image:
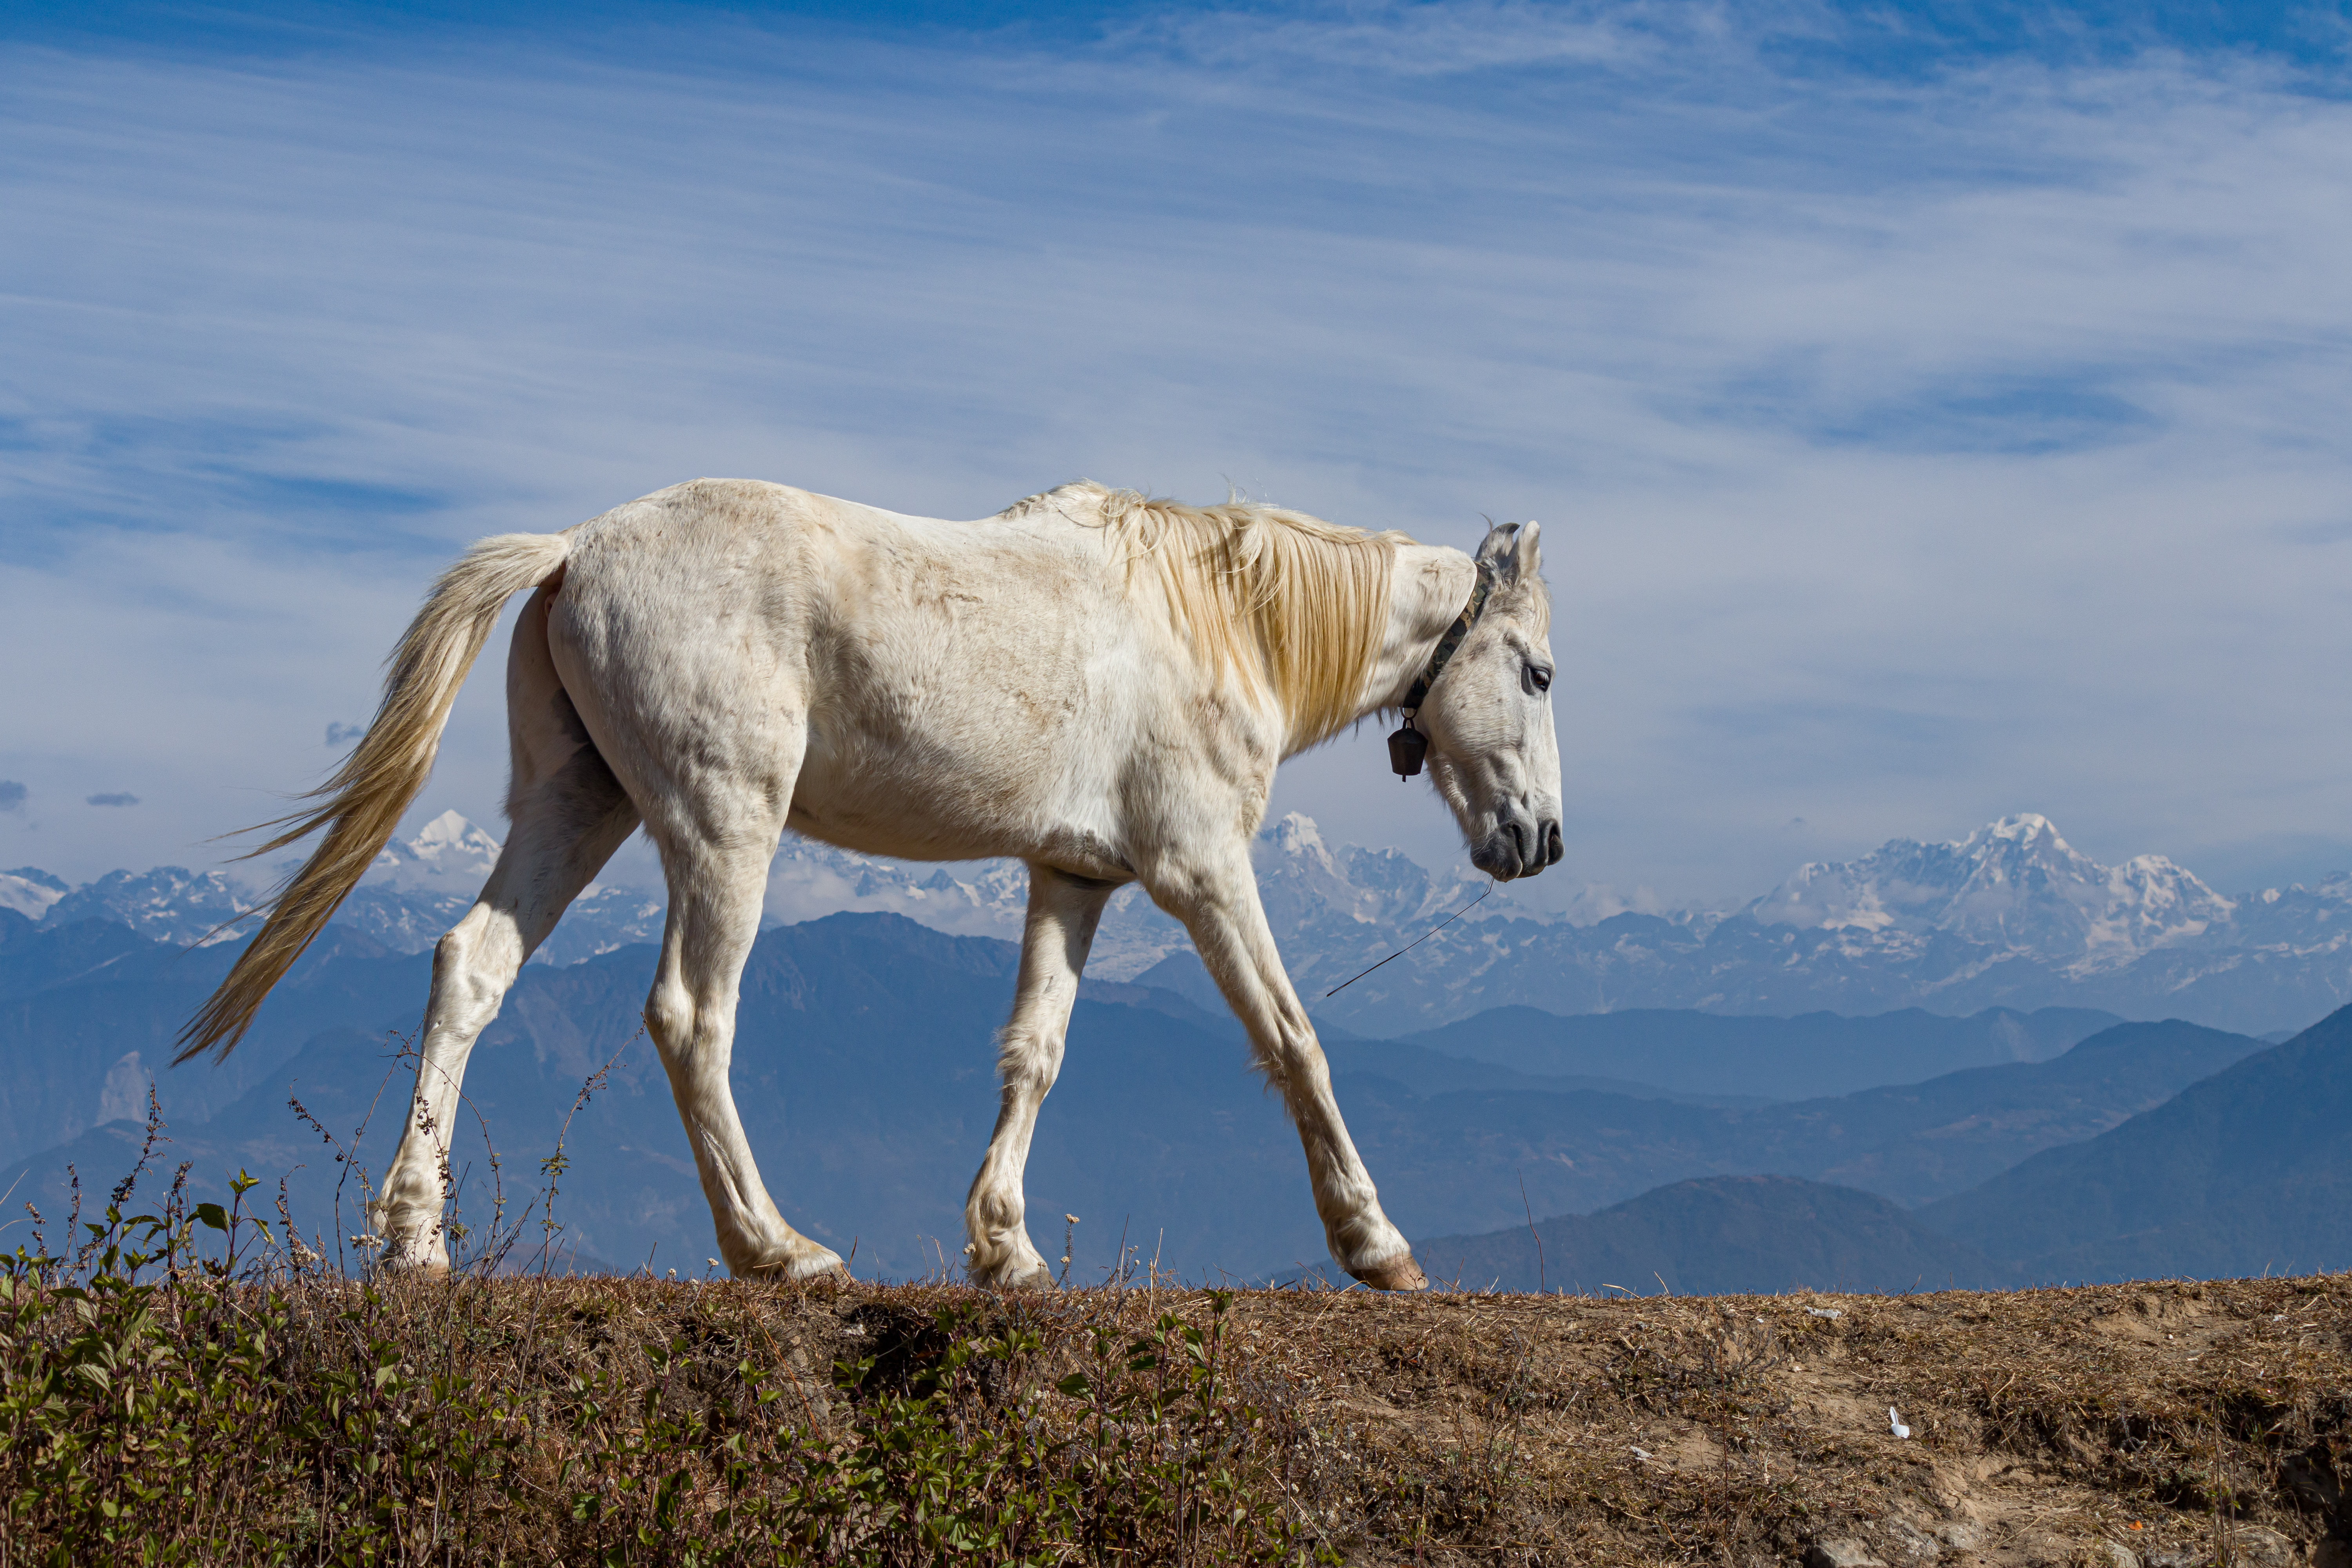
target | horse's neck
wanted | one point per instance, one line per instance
(1426, 592)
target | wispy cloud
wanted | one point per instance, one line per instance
(1911, 448)
(113, 797)
(1429, 40)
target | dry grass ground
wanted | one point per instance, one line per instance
(2177, 1423)
(576, 1421)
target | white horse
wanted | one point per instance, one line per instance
(1099, 684)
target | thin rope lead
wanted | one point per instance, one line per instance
(1416, 942)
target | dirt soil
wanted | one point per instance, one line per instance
(2158, 1425)
(2155, 1426)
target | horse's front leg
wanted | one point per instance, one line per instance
(1063, 913)
(1218, 905)
(716, 879)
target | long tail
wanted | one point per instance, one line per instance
(368, 794)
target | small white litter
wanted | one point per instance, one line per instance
(1641, 1453)
(1823, 1312)
(1895, 1424)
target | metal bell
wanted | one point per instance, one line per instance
(1407, 747)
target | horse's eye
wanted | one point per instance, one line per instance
(1539, 677)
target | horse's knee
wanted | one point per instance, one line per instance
(669, 1019)
(1294, 1064)
(472, 967)
(1028, 1060)
(453, 955)
(692, 1037)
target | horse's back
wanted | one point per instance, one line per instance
(945, 689)
(709, 533)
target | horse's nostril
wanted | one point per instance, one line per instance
(1556, 850)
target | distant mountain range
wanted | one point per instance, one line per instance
(1803, 1058)
(416, 889)
(2246, 1170)
(1720, 1235)
(2009, 917)
(864, 1073)
(1916, 1066)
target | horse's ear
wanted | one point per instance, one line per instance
(1527, 560)
(1495, 550)
(1510, 552)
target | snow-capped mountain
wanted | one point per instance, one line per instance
(29, 892)
(2015, 885)
(449, 855)
(1304, 883)
(2011, 915)
(170, 903)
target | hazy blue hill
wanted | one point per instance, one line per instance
(1801, 1057)
(1427, 1072)
(90, 1011)
(1912, 1142)
(2250, 1170)
(35, 958)
(1452, 1161)
(1720, 1235)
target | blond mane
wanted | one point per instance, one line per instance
(1291, 602)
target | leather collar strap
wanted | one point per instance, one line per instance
(1452, 641)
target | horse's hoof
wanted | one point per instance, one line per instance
(1037, 1276)
(797, 1268)
(1399, 1273)
(415, 1256)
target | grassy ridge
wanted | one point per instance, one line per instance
(182, 1388)
(166, 1406)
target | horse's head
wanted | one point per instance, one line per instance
(1492, 754)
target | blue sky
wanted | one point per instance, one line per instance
(1935, 412)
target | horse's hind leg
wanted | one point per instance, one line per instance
(1063, 912)
(569, 815)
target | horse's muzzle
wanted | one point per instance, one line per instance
(1518, 848)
